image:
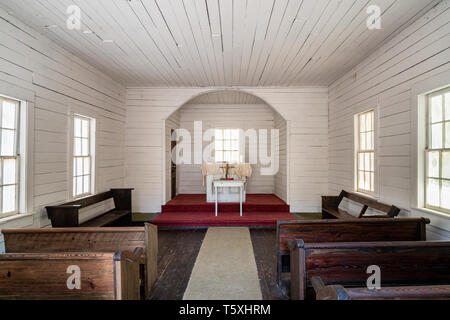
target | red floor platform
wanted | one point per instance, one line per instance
(186, 210)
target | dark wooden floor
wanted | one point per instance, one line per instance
(178, 250)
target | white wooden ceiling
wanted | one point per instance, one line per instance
(219, 42)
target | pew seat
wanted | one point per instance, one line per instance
(45, 276)
(338, 292)
(410, 263)
(356, 230)
(62, 240)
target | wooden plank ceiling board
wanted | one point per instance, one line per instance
(199, 43)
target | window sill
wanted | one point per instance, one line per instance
(14, 220)
(433, 212)
(367, 195)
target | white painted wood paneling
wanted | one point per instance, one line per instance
(384, 80)
(192, 43)
(56, 84)
(304, 108)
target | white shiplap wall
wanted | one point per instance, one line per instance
(237, 116)
(172, 123)
(55, 84)
(304, 108)
(384, 80)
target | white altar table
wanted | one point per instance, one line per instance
(229, 184)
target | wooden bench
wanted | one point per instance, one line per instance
(357, 230)
(103, 275)
(67, 214)
(338, 292)
(402, 264)
(60, 240)
(330, 207)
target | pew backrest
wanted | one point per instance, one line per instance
(401, 263)
(103, 275)
(67, 214)
(52, 240)
(361, 230)
(338, 292)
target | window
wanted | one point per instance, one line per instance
(9, 156)
(227, 145)
(437, 159)
(83, 156)
(365, 152)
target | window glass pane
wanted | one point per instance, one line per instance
(9, 199)
(75, 186)
(226, 156)
(370, 141)
(433, 192)
(219, 144)
(79, 184)
(445, 198)
(9, 171)
(362, 123)
(227, 145)
(219, 135)
(369, 121)
(362, 140)
(8, 143)
(86, 184)
(85, 128)
(77, 126)
(77, 147)
(9, 115)
(361, 161)
(446, 167)
(227, 134)
(372, 162)
(367, 161)
(87, 166)
(372, 181)
(235, 145)
(79, 171)
(367, 181)
(219, 156)
(447, 135)
(447, 106)
(436, 109)
(235, 156)
(433, 164)
(436, 136)
(85, 147)
(235, 134)
(361, 180)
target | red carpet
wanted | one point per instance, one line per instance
(193, 210)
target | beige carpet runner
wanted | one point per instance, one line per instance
(225, 268)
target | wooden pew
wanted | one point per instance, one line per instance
(104, 275)
(409, 263)
(357, 230)
(338, 292)
(61, 240)
(330, 207)
(67, 214)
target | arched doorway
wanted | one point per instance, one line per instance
(227, 109)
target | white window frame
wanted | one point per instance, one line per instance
(224, 150)
(429, 149)
(21, 156)
(91, 155)
(358, 151)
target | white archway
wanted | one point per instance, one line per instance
(208, 91)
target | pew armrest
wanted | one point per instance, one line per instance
(151, 259)
(324, 292)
